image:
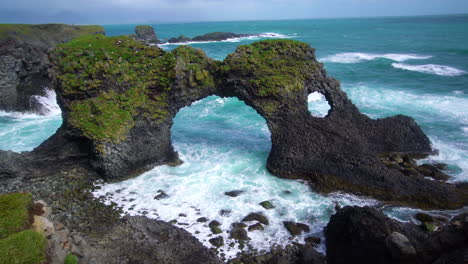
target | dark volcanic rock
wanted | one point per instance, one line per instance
(365, 235)
(146, 34)
(24, 64)
(239, 233)
(291, 254)
(267, 205)
(218, 36)
(142, 240)
(256, 217)
(180, 39)
(255, 227)
(142, 95)
(217, 242)
(234, 193)
(296, 229)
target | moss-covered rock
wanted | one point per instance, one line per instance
(146, 33)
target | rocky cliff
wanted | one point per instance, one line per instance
(146, 34)
(119, 96)
(24, 64)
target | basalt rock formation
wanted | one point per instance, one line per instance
(365, 235)
(24, 64)
(119, 96)
(146, 34)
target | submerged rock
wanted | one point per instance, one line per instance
(234, 193)
(256, 227)
(217, 241)
(267, 205)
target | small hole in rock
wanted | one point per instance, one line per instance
(318, 104)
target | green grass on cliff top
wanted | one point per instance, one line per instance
(14, 213)
(39, 30)
(25, 247)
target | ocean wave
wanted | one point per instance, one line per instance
(256, 37)
(355, 57)
(47, 106)
(441, 70)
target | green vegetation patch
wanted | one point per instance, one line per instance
(25, 247)
(71, 259)
(273, 67)
(196, 64)
(117, 79)
(14, 213)
(46, 32)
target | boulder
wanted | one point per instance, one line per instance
(256, 227)
(267, 205)
(365, 235)
(234, 193)
(296, 229)
(256, 217)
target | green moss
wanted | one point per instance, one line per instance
(71, 259)
(195, 63)
(125, 78)
(25, 247)
(14, 213)
(273, 67)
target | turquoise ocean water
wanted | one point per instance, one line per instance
(415, 66)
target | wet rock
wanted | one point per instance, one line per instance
(432, 171)
(255, 227)
(239, 233)
(313, 240)
(441, 166)
(296, 229)
(400, 247)
(217, 241)
(234, 193)
(161, 195)
(366, 235)
(224, 212)
(256, 217)
(202, 220)
(267, 205)
(428, 226)
(423, 217)
(214, 226)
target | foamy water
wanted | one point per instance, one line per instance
(355, 57)
(430, 69)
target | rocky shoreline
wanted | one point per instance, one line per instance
(345, 151)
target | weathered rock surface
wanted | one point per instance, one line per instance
(146, 34)
(119, 96)
(292, 254)
(24, 64)
(365, 235)
(142, 240)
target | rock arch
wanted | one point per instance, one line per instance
(119, 96)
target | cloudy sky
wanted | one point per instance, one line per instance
(146, 11)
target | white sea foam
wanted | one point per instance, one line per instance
(23, 131)
(355, 57)
(318, 104)
(430, 69)
(256, 37)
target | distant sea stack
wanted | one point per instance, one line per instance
(146, 34)
(24, 63)
(214, 36)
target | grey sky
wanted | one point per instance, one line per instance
(144, 11)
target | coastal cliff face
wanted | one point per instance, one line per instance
(118, 98)
(24, 64)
